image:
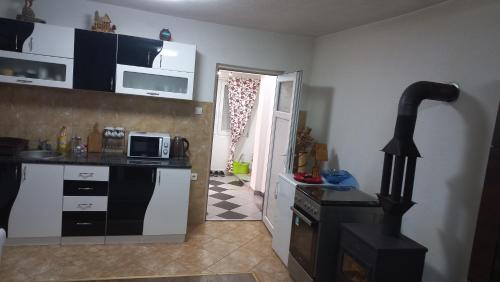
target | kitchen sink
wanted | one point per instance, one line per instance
(39, 154)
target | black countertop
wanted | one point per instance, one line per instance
(104, 159)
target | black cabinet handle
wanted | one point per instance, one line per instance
(84, 223)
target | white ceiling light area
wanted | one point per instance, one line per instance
(300, 17)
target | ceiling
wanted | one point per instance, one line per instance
(301, 17)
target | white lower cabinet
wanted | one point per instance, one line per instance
(283, 223)
(37, 211)
(168, 209)
(54, 205)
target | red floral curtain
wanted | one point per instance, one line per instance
(242, 93)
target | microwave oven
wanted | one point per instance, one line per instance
(148, 145)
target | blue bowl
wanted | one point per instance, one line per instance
(335, 176)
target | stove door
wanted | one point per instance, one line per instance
(304, 240)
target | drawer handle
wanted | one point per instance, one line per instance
(153, 94)
(85, 188)
(84, 223)
(85, 206)
(24, 81)
(86, 174)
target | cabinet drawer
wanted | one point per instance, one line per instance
(86, 173)
(83, 223)
(85, 203)
(85, 188)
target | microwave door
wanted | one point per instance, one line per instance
(146, 147)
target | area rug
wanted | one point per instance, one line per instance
(237, 277)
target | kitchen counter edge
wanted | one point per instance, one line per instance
(102, 159)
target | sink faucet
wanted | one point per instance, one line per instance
(44, 145)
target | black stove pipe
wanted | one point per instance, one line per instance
(403, 152)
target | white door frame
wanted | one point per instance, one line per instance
(234, 68)
(293, 116)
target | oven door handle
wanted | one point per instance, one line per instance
(303, 217)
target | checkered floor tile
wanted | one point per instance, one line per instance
(231, 199)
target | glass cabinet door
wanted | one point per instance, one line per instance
(154, 82)
(36, 70)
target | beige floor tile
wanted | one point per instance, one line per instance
(240, 260)
(219, 248)
(198, 259)
(273, 277)
(214, 247)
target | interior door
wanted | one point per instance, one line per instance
(283, 132)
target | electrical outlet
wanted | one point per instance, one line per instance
(198, 110)
(194, 176)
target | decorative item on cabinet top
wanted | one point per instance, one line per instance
(27, 14)
(165, 35)
(103, 24)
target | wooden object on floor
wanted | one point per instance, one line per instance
(94, 142)
(485, 258)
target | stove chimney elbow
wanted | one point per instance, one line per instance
(419, 91)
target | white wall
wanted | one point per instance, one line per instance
(263, 135)
(215, 43)
(369, 67)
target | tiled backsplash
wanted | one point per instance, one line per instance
(38, 113)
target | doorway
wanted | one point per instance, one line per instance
(248, 108)
(243, 100)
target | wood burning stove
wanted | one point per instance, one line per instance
(366, 254)
(317, 214)
(380, 253)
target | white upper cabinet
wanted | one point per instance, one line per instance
(50, 40)
(33, 69)
(178, 56)
(150, 67)
(154, 82)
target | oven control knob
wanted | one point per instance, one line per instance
(165, 152)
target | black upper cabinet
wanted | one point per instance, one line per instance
(137, 51)
(13, 34)
(95, 61)
(130, 190)
(10, 181)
